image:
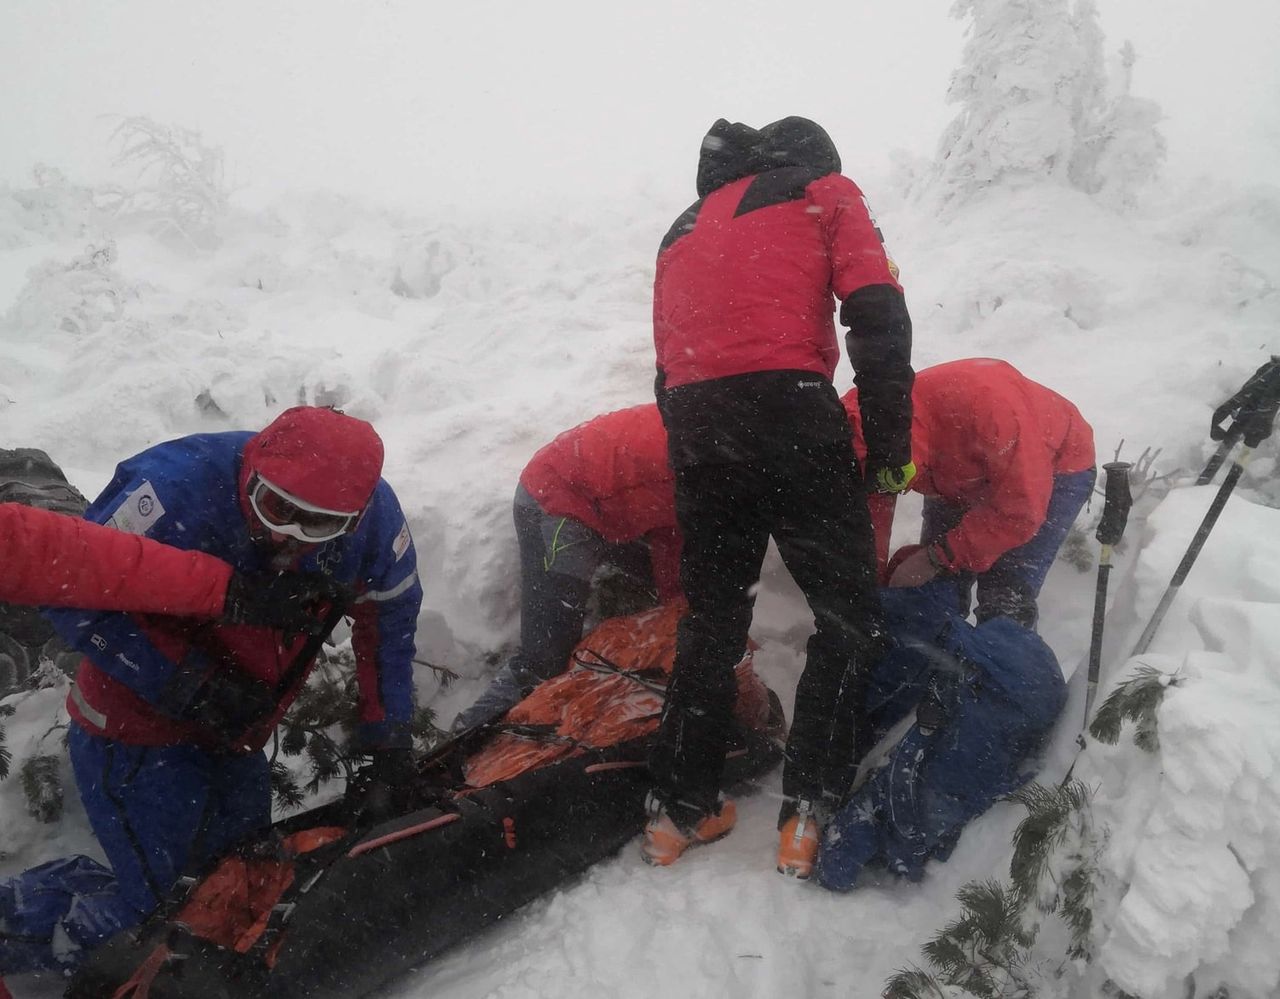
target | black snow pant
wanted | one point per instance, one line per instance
(558, 559)
(811, 499)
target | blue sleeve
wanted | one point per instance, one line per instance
(386, 618)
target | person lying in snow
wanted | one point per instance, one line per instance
(169, 715)
(603, 483)
(1005, 465)
(985, 699)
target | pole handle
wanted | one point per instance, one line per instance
(1252, 410)
(1117, 500)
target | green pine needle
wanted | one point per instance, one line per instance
(913, 983)
(1136, 699)
(285, 789)
(41, 778)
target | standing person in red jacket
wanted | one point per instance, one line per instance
(54, 560)
(1005, 465)
(604, 483)
(746, 349)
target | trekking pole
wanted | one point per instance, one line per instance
(1252, 411)
(1115, 515)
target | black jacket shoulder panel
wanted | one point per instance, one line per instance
(683, 225)
(777, 187)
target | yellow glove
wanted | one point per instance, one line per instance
(895, 480)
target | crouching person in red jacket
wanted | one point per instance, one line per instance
(169, 714)
(1005, 466)
(606, 483)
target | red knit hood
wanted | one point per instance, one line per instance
(324, 457)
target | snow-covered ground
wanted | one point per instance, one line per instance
(470, 341)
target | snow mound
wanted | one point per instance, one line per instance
(1191, 883)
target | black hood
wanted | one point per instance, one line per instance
(731, 151)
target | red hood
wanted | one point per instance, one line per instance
(319, 455)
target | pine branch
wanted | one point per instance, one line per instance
(444, 674)
(913, 984)
(1076, 551)
(283, 786)
(6, 757)
(1136, 699)
(42, 784)
(1042, 832)
(1078, 891)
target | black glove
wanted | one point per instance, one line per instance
(288, 601)
(231, 703)
(381, 789)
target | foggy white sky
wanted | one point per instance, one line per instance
(490, 101)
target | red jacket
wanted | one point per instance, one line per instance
(986, 438)
(54, 560)
(741, 291)
(612, 474)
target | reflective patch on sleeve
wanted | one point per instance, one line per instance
(395, 591)
(139, 511)
(402, 542)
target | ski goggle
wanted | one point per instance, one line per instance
(284, 514)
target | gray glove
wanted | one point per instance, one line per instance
(511, 685)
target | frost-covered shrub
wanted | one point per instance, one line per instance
(75, 297)
(179, 190)
(53, 209)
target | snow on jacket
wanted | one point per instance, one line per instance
(55, 560)
(990, 440)
(189, 493)
(612, 474)
(745, 276)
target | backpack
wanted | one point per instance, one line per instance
(30, 477)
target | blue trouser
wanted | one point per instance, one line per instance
(1010, 587)
(157, 812)
(985, 699)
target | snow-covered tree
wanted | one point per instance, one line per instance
(1036, 104)
(1124, 149)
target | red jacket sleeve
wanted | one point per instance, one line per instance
(53, 560)
(854, 243)
(1019, 484)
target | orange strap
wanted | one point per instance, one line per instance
(399, 834)
(139, 984)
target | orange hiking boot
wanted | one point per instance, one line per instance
(664, 841)
(798, 843)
